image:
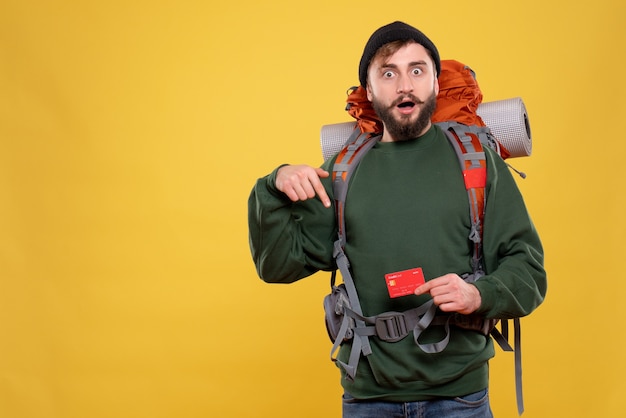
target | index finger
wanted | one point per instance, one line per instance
(424, 288)
(319, 187)
(429, 285)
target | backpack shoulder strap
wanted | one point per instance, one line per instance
(468, 143)
(469, 150)
(348, 158)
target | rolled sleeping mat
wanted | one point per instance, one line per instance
(507, 119)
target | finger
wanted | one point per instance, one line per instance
(299, 191)
(293, 193)
(430, 285)
(322, 173)
(302, 183)
(319, 187)
(310, 185)
(303, 190)
(420, 290)
(448, 306)
(425, 288)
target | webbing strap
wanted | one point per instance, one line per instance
(423, 323)
(360, 344)
(502, 340)
(342, 333)
(519, 395)
(395, 326)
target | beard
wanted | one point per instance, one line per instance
(403, 129)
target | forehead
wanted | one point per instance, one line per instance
(411, 52)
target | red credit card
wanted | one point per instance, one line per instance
(402, 283)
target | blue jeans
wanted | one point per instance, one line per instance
(475, 405)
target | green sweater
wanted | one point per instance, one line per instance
(407, 207)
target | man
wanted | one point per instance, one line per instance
(406, 208)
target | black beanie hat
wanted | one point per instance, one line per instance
(396, 31)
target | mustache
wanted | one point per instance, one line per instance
(401, 99)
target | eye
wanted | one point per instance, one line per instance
(388, 74)
(416, 71)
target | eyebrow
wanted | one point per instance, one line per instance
(411, 64)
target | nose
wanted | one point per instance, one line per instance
(404, 85)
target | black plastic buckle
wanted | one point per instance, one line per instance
(391, 326)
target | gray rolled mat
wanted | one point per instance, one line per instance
(507, 120)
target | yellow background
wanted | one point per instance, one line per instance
(131, 133)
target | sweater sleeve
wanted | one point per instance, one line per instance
(289, 240)
(515, 283)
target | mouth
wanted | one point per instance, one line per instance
(406, 106)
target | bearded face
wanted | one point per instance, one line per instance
(406, 126)
(402, 86)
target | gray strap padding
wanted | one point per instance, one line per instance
(474, 156)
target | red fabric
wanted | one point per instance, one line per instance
(476, 177)
(459, 95)
(360, 108)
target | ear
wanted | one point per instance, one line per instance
(368, 89)
(436, 86)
